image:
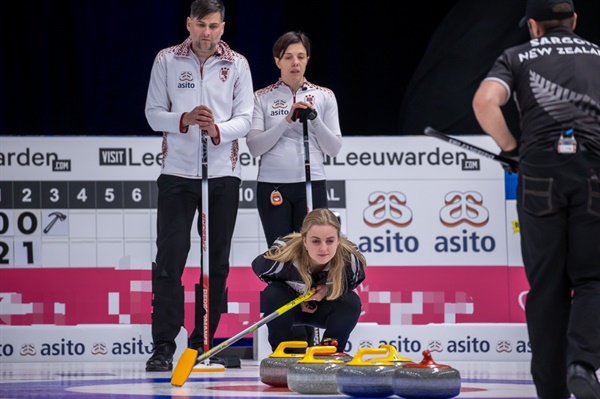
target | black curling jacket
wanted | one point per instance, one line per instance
(270, 270)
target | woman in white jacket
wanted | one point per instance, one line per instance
(277, 138)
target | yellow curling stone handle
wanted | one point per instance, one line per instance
(393, 355)
(280, 350)
(358, 360)
(321, 350)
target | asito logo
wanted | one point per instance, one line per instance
(464, 208)
(68, 347)
(186, 80)
(388, 208)
(278, 108)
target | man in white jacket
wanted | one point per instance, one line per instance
(198, 85)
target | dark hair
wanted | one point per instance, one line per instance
(282, 43)
(201, 8)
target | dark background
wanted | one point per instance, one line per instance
(81, 67)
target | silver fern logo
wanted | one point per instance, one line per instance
(562, 104)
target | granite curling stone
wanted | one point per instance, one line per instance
(273, 369)
(426, 379)
(362, 377)
(311, 375)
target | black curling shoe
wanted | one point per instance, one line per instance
(162, 358)
(582, 381)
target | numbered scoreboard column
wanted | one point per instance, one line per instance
(21, 218)
(82, 224)
(109, 223)
(54, 234)
(139, 224)
(77, 224)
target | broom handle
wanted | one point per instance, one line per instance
(204, 243)
(218, 348)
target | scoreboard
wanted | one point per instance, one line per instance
(64, 219)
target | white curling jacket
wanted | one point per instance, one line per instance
(280, 144)
(177, 85)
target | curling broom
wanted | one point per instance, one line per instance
(190, 356)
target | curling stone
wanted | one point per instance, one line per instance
(274, 369)
(393, 356)
(311, 375)
(426, 379)
(362, 377)
(337, 355)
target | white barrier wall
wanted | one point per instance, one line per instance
(85, 343)
(78, 227)
(446, 342)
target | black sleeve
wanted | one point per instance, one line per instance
(355, 272)
(269, 270)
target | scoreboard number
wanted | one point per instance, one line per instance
(27, 252)
(82, 195)
(20, 243)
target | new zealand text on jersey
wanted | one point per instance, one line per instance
(543, 51)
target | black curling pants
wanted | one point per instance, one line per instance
(178, 201)
(337, 317)
(558, 204)
(286, 218)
